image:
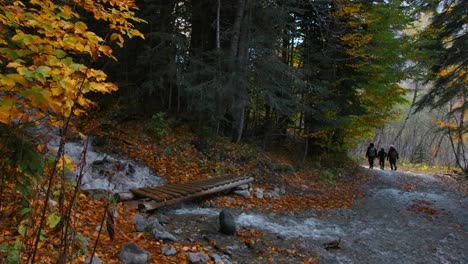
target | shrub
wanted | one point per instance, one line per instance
(159, 125)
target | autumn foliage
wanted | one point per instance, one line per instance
(47, 58)
(46, 55)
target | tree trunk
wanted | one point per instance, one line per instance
(239, 55)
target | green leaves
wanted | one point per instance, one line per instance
(53, 220)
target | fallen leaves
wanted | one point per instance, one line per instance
(422, 206)
(305, 191)
(177, 159)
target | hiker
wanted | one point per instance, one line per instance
(371, 153)
(382, 155)
(392, 156)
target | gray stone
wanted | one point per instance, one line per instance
(227, 223)
(243, 187)
(220, 259)
(243, 193)
(97, 193)
(178, 231)
(197, 257)
(131, 253)
(96, 260)
(282, 190)
(272, 195)
(164, 219)
(259, 193)
(203, 257)
(163, 235)
(216, 258)
(153, 223)
(193, 258)
(168, 250)
(140, 223)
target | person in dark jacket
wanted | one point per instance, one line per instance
(382, 155)
(371, 153)
(392, 156)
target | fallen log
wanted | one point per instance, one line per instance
(124, 196)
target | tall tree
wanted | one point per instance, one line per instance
(446, 38)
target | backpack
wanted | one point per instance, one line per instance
(372, 152)
(392, 154)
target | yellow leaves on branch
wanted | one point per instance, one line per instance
(39, 43)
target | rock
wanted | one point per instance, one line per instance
(97, 193)
(96, 260)
(243, 187)
(282, 190)
(164, 219)
(168, 250)
(140, 223)
(162, 235)
(159, 233)
(273, 194)
(220, 259)
(153, 223)
(205, 258)
(216, 258)
(197, 257)
(131, 253)
(243, 193)
(259, 193)
(227, 223)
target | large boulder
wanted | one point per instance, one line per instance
(227, 223)
(131, 253)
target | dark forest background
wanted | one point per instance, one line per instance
(327, 73)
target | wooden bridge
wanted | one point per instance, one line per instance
(170, 194)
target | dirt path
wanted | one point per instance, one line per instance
(405, 218)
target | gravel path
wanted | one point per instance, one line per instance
(427, 224)
(404, 218)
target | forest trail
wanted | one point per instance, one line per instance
(404, 218)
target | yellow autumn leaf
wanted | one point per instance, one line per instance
(67, 84)
(106, 50)
(83, 101)
(56, 91)
(80, 27)
(114, 36)
(40, 148)
(102, 87)
(79, 47)
(68, 11)
(6, 81)
(78, 112)
(14, 64)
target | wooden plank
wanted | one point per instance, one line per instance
(175, 193)
(124, 196)
(155, 192)
(168, 189)
(186, 189)
(151, 205)
(144, 193)
(164, 191)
